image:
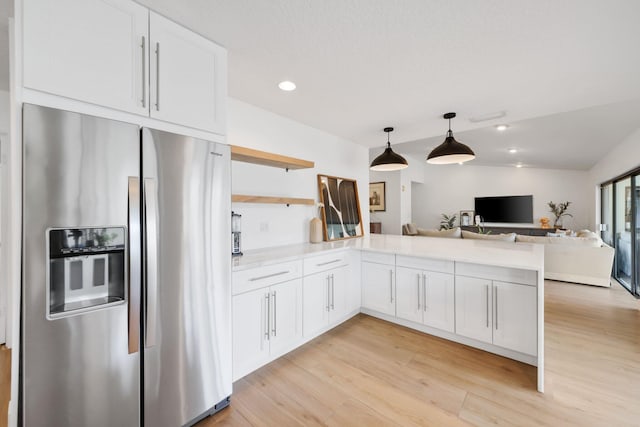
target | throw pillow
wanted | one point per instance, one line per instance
(510, 237)
(587, 233)
(412, 230)
(453, 233)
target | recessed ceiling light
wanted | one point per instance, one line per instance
(287, 86)
(519, 165)
(502, 128)
(513, 150)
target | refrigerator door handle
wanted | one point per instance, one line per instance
(135, 264)
(151, 264)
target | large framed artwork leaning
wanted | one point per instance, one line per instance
(341, 218)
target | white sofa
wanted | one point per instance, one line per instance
(586, 260)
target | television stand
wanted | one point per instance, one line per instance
(526, 231)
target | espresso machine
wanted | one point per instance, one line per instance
(235, 234)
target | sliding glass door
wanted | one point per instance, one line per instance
(606, 214)
(622, 209)
(620, 227)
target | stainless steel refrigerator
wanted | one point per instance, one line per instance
(126, 274)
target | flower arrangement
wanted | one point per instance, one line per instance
(559, 210)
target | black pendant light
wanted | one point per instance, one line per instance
(388, 160)
(450, 151)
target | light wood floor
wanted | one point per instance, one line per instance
(368, 372)
(5, 383)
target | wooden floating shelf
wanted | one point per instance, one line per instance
(242, 198)
(249, 155)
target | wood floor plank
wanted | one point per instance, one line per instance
(5, 383)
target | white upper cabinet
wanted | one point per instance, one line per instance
(188, 78)
(89, 50)
(118, 54)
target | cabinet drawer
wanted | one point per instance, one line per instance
(379, 258)
(256, 278)
(513, 275)
(428, 264)
(324, 262)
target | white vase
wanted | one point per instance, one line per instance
(315, 231)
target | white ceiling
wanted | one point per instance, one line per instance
(361, 65)
(572, 140)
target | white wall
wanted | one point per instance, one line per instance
(452, 188)
(398, 193)
(4, 112)
(623, 158)
(4, 141)
(390, 217)
(276, 225)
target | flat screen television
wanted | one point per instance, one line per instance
(509, 209)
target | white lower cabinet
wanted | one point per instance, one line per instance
(325, 301)
(378, 287)
(267, 323)
(425, 297)
(498, 313)
(515, 317)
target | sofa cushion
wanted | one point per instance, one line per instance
(587, 233)
(453, 233)
(509, 237)
(569, 241)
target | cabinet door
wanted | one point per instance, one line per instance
(188, 77)
(439, 310)
(315, 303)
(378, 287)
(339, 294)
(409, 294)
(250, 331)
(515, 317)
(286, 316)
(88, 50)
(473, 308)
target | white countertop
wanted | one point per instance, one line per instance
(528, 256)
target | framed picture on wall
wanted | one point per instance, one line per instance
(377, 197)
(466, 218)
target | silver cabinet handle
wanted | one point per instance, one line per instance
(157, 76)
(419, 283)
(391, 284)
(274, 329)
(495, 307)
(486, 288)
(280, 273)
(333, 293)
(267, 304)
(328, 300)
(424, 284)
(143, 47)
(151, 267)
(135, 264)
(328, 262)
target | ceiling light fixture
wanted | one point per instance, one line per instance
(287, 86)
(502, 128)
(450, 151)
(519, 165)
(513, 150)
(388, 160)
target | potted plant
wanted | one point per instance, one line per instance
(559, 210)
(448, 221)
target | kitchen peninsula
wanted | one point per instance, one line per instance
(485, 294)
